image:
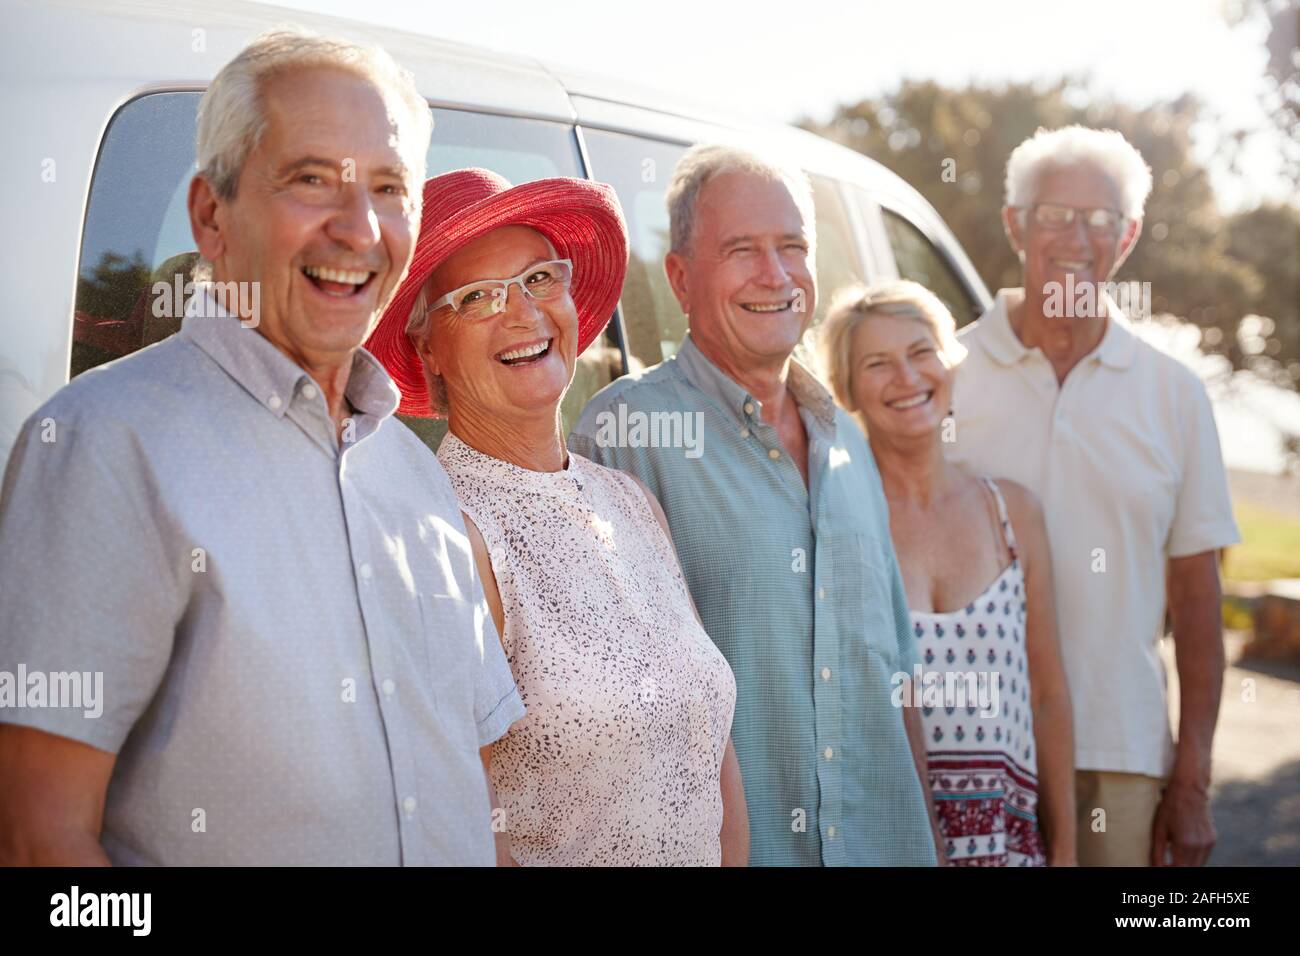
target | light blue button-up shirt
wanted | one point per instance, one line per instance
(799, 587)
(289, 629)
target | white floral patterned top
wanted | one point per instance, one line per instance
(619, 758)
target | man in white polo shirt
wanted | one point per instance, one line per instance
(1118, 441)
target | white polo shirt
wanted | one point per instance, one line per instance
(1125, 458)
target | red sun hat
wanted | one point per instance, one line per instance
(582, 220)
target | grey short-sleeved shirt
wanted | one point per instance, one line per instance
(296, 665)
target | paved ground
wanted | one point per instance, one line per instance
(1255, 784)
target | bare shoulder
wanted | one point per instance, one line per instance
(1023, 506)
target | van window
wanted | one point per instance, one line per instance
(640, 169)
(837, 259)
(920, 261)
(137, 228)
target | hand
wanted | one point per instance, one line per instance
(940, 848)
(1183, 830)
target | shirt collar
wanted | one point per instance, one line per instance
(268, 374)
(999, 339)
(700, 371)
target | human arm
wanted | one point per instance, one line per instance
(500, 833)
(52, 793)
(1049, 694)
(483, 562)
(88, 586)
(1184, 832)
(916, 741)
(735, 814)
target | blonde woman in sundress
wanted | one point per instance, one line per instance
(974, 557)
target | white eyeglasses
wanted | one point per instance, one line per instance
(487, 297)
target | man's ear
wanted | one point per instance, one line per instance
(1127, 242)
(204, 222)
(675, 269)
(1012, 225)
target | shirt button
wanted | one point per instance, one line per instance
(309, 392)
(366, 571)
(829, 752)
(744, 433)
(749, 408)
(273, 402)
(409, 804)
(826, 673)
(773, 454)
(388, 686)
(830, 832)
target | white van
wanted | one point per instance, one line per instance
(98, 110)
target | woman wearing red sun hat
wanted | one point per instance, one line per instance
(624, 756)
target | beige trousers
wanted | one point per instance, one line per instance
(1115, 814)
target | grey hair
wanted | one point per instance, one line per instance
(1106, 150)
(417, 330)
(231, 119)
(701, 163)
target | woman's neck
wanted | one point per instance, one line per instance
(531, 441)
(913, 471)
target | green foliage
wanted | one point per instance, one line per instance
(1204, 267)
(1268, 237)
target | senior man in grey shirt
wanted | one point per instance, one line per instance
(261, 579)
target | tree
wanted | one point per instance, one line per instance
(1282, 74)
(1269, 238)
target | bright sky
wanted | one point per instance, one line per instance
(783, 60)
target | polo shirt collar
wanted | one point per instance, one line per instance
(999, 339)
(700, 371)
(266, 373)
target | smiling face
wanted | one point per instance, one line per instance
(899, 382)
(516, 361)
(324, 214)
(1049, 255)
(746, 280)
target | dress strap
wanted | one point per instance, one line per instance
(1008, 533)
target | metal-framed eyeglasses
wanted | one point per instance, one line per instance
(487, 297)
(1099, 220)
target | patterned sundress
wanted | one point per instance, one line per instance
(983, 767)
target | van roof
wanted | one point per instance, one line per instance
(104, 42)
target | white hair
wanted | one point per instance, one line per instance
(701, 163)
(232, 120)
(417, 330)
(1106, 150)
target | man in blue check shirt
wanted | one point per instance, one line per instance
(777, 513)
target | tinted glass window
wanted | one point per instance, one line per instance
(137, 227)
(837, 257)
(920, 261)
(639, 170)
